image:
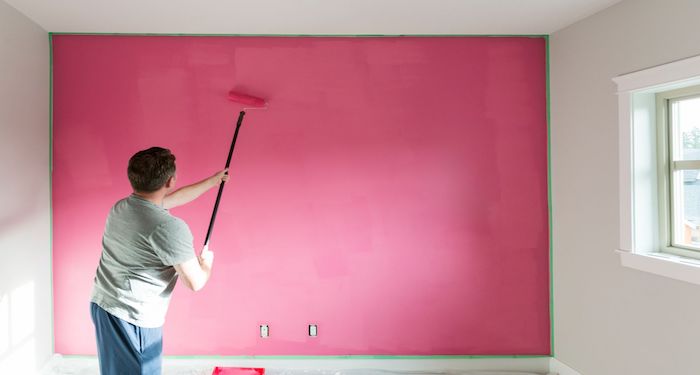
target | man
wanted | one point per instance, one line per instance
(144, 250)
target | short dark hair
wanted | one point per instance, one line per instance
(150, 169)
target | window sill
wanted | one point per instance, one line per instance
(667, 265)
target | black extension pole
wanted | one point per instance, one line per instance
(221, 186)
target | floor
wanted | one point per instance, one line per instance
(89, 366)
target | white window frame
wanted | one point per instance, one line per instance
(643, 244)
(667, 166)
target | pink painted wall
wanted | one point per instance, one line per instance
(395, 192)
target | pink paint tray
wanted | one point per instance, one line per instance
(238, 371)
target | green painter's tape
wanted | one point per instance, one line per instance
(53, 336)
(549, 189)
(549, 202)
(333, 357)
(315, 35)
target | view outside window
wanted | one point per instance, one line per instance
(685, 135)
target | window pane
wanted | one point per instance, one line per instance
(686, 208)
(686, 122)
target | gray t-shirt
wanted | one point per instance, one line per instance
(140, 245)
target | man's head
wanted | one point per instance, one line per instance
(151, 169)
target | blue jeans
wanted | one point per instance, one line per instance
(126, 349)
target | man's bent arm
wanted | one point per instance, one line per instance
(189, 193)
(196, 272)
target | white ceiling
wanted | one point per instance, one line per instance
(309, 16)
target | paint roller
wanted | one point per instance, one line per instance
(249, 102)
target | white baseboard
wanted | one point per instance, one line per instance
(558, 368)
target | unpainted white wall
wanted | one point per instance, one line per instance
(611, 320)
(25, 270)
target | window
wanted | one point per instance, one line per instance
(678, 143)
(659, 164)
